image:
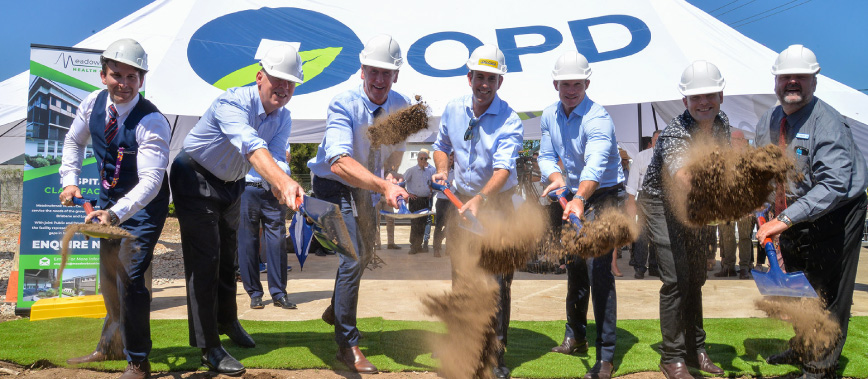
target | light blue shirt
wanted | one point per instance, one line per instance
(232, 128)
(584, 140)
(495, 143)
(349, 116)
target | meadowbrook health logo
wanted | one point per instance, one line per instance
(222, 51)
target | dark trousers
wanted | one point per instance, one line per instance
(593, 277)
(728, 244)
(644, 251)
(445, 212)
(345, 298)
(122, 267)
(681, 257)
(259, 207)
(827, 251)
(417, 225)
(207, 210)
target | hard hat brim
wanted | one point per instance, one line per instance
(570, 77)
(485, 69)
(283, 75)
(794, 71)
(378, 64)
(126, 62)
(700, 91)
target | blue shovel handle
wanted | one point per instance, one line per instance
(558, 195)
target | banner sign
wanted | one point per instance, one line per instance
(60, 78)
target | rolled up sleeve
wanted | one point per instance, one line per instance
(548, 158)
(235, 120)
(509, 144)
(339, 132)
(600, 141)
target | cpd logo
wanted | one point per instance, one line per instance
(222, 51)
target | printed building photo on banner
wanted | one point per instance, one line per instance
(39, 284)
(78, 282)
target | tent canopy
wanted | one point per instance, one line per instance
(637, 51)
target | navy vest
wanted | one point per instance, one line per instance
(106, 154)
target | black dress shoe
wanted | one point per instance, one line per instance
(677, 370)
(256, 303)
(786, 357)
(501, 372)
(392, 246)
(283, 303)
(704, 363)
(237, 334)
(218, 360)
(725, 272)
(601, 370)
(571, 346)
(654, 272)
(639, 275)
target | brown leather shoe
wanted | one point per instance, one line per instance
(137, 370)
(353, 358)
(677, 370)
(601, 370)
(704, 363)
(96, 356)
(571, 346)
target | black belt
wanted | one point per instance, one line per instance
(255, 184)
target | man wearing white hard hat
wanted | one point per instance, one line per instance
(681, 265)
(349, 172)
(134, 196)
(820, 213)
(245, 127)
(580, 133)
(485, 135)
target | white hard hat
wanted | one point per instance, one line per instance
(282, 61)
(382, 51)
(701, 77)
(796, 59)
(127, 51)
(487, 58)
(571, 66)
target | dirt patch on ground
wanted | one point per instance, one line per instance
(815, 329)
(727, 184)
(396, 127)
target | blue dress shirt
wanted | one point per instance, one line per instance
(584, 140)
(495, 143)
(349, 116)
(232, 128)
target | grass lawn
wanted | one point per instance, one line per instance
(739, 346)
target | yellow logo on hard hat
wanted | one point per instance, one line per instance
(488, 62)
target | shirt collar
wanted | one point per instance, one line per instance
(125, 108)
(800, 114)
(493, 108)
(369, 105)
(580, 110)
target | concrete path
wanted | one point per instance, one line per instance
(393, 291)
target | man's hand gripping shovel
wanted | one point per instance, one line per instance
(96, 230)
(776, 282)
(329, 227)
(470, 222)
(403, 212)
(557, 195)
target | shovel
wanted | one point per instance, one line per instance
(776, 282)
(403, 213)
(98, 231)
(474, 227)
(329, 227)
(558, 195)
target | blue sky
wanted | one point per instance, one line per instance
(836, 30)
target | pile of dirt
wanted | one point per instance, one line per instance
(396, 127)
(507, 244)
(70, 231)
(813, 325)
(727, 184)
(609, 230)
(468, 349)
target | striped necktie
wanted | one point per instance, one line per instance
(111, 128)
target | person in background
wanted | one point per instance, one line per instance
(418, 180)
(643, 249)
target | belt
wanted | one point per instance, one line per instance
(255, 184)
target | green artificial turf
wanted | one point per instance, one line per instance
(739, 346)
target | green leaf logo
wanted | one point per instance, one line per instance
(313, 64)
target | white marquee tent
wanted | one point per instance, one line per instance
(637, 51)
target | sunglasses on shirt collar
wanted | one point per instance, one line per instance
(469, 133)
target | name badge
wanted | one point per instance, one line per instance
(802, 136)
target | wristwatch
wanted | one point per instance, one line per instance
(484, 197)
(786, 220)
(113, 218)
(582, 198)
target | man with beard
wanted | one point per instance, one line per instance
(485, 135)
(245, 127)
(680, 252)
(134, 196)
(820, 211)
(349, 172)
(580, 133)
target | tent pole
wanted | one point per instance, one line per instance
(639, 110)
(654, 113)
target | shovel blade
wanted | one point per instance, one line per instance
(334, 233)
(777, 283)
